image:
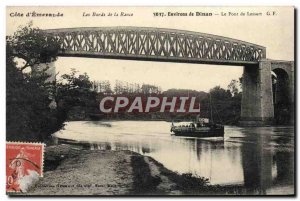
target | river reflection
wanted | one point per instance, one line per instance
(260, 159)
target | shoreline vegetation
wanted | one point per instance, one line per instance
(71, 170)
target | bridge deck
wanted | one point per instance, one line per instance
(156, 44)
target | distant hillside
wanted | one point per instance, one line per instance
(185, 92)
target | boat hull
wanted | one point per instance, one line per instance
(212, 132)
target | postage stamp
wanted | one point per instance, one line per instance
(24, 165)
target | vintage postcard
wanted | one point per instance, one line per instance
(150, 101)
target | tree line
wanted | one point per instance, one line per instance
(123, 87)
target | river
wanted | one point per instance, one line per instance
(260, 158)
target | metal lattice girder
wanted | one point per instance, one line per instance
(158, 44)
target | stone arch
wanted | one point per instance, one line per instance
(282, 88)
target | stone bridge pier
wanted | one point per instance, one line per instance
(259, 94)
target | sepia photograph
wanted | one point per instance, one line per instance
(150, 101)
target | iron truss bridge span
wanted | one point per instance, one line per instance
(156, 44)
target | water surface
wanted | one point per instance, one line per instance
(260, 159)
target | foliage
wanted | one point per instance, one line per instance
(28, 96)
(122, 87)
(102, 87)
(224, 105)
(74, 90)
(233, 87)
(32, 45)
(29, 116)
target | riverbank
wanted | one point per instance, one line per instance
(70, 170)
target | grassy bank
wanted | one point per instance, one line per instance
(73, 170)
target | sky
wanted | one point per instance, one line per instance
(276, 33)
(167, 75)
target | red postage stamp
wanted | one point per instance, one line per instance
(24, 165)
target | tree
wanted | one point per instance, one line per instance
(241, 83)
(225, 107)
(75, 90)
(220, 93)
(233, 87)
(32, 45)
(29, 117)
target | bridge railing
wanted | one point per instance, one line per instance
(156, 44)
